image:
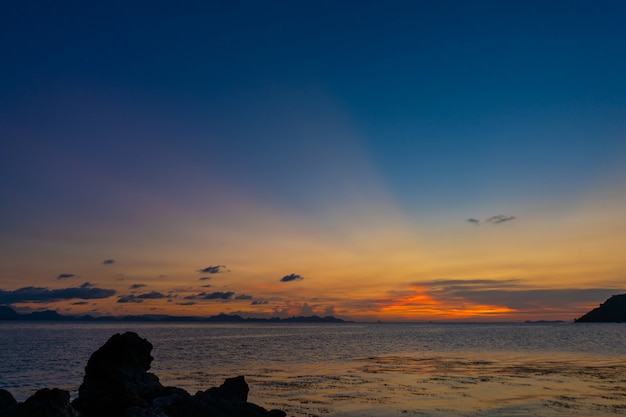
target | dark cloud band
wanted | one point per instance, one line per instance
(218, 295)
(45, 295)
(153, 295)
(512, 293)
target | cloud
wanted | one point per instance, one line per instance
(244, 297)
(137, 286)
(66, 276)
(297, 309)
(108, 262)
(218, 295)
(129, 299)
(482, 283)
(80, 303)
(85, 291)
(187, 303)
(206, 286)
(291, 277)
(153, 295)
(307, 310)
(204, 279)
(500, 218)
(259, 302)
(212, 269)
(513, 293)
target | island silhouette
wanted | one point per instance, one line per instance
(612, 310)
(7, 313)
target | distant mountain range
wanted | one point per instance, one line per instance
(7, 313)
(612, 310)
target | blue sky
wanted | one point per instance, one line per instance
(358, 135)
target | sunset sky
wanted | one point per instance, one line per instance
(402, 160)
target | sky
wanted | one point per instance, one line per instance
(396, 160)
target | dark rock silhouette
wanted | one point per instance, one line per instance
(47, 403)
(612, 310)
(117, 377)
(117, 384)
(8, 404)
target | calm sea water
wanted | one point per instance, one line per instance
(353, 369)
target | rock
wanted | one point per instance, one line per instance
(116, 378)
(8, 404)
(612, 310)
(232, 389)
(143, 412)
(117, 384)
(47, 403)
(180, 404)
(230, 399)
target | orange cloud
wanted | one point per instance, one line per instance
(417, 304)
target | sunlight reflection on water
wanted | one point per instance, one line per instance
(354, 369)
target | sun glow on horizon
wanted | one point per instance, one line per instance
(417, 304)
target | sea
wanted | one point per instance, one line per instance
(353, 369)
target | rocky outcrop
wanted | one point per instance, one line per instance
(117, 384)
(44, 403)
(117, 377)
(8, 405)
(612, 310)
(47, 403)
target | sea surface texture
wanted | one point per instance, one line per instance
(353, 369)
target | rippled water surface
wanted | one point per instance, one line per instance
(354, 369)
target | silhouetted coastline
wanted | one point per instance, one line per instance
(7, 313)
(612, 310)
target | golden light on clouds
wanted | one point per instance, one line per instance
(417, 304)
(362, 263)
